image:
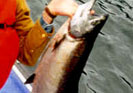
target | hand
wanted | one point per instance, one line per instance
(62, 7)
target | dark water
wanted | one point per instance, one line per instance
(109, 68)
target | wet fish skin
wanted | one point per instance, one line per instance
(56, 65)
(65, 57)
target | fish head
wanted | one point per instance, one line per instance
(84, 22)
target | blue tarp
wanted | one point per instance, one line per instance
(14, 85)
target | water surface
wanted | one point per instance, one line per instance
(109, 68)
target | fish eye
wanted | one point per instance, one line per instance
(93, 23)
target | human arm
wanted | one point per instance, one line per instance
(33, 38)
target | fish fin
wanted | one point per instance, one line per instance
(58, 41)
(30, 79)
(84, 72)
(102, 33)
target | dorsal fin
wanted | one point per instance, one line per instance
(30, 79)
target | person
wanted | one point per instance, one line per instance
(20, 38)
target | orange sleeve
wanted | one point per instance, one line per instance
(33, 38)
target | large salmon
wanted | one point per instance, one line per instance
(63, 61)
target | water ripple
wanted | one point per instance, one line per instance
(117, 7)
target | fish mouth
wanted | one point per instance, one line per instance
(86, 12)
(96, 19)
(85, 21)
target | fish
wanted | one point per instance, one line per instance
(67, 52)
